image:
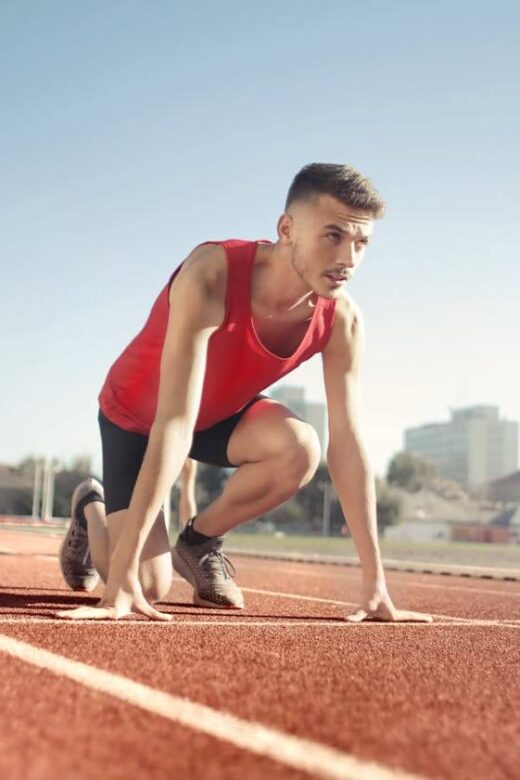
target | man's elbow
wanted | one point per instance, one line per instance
(176, 431)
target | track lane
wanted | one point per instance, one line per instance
(396, 694)
(53, 727)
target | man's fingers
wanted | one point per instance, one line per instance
(397, 616)
(87, 613)
(357, 617)
(403, 616)
(153, 614)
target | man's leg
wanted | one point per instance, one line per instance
(77, 566)
(83, 554)
(123, 453)
(155, 566)
(187, 502)
(276, 453)
(98, 536)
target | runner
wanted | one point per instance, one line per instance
(234, 318)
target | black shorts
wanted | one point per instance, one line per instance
(123, 453)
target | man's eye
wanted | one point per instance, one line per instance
(335, 236)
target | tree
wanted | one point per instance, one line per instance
(210, 483)
(410, 472)
(389, 505)
(65, 482)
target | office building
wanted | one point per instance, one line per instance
(472, 448)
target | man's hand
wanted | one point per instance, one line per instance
(120, 599)
(376, 604)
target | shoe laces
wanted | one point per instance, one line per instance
(217, 561)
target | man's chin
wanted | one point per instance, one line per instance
(331, 295)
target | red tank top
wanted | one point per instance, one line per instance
(238, 365)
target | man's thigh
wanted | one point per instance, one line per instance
(266, 429)
(123, 453)
(210, 445)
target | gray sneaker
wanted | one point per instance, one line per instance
(75, 560)
(210, 572)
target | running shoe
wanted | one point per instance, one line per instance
(209, 571)
(75, 559)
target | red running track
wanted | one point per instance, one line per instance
(438, 700)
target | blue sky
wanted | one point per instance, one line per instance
(132, 131)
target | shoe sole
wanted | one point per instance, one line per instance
(184, 570)
(81, 584)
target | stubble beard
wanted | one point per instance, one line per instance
(299, 266)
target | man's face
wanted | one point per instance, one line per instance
(328, 241)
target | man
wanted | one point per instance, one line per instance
(235, 317)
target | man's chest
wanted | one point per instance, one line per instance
(282, 337)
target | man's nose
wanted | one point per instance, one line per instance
(347, 259)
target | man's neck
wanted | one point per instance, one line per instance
(277, 288)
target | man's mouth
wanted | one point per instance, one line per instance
(337, 278)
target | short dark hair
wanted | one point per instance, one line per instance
(341, 181)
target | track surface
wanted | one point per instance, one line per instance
(434, 701)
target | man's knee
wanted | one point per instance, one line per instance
(300, 457)
(155, 580)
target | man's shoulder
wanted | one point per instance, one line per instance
(204, 260)
(347, 311)
(207, 264)
(204, 267)
(347, 329)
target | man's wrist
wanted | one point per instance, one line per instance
(374, 578)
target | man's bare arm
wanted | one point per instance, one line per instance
(348, 460)
(195, 314)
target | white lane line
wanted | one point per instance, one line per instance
(299, 597)
(295, 752)
(402, 583)
(238, 623)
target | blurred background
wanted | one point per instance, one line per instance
(132, 131)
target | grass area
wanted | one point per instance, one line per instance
(463, 553)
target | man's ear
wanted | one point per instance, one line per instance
(285, 228)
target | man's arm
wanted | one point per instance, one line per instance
(194, 317)
(195, 314)
(348, 461)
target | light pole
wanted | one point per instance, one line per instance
(326, 487)
(37, 488)
(51, 467)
